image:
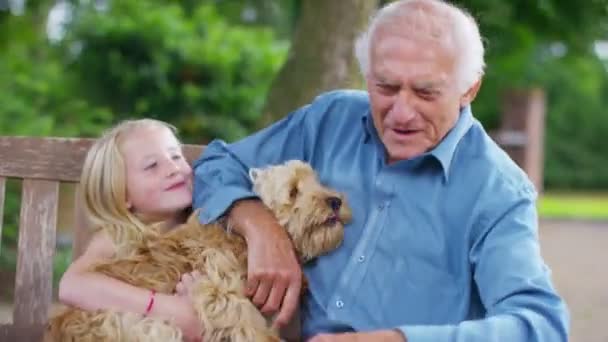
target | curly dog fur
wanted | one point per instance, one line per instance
(313, 215)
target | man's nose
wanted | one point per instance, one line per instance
(403, 110)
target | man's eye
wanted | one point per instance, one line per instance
(387, 88)
(427, 94)
(176, 157)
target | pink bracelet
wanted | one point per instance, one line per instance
(150, 303)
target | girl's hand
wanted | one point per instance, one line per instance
(187, 320)
(186, 285)
(190, 324)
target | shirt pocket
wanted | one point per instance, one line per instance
(425, 284)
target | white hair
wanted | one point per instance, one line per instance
(451, 26)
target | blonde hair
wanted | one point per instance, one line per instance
(451, 25)
(104, 188)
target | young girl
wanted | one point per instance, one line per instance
(135, 175)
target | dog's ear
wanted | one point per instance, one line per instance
(193, 218)
(254, 173)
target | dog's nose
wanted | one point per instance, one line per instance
(334, 203)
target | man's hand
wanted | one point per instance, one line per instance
(274, 276)
(374, 336)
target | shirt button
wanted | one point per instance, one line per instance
(361, 258)
(339, 304)
(381, 206)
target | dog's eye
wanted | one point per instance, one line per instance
(294, 192)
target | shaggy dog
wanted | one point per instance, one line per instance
(313, 215)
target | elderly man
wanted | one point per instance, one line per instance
(443, 245)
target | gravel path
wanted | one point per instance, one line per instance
(577, 253)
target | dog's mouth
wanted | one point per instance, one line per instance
(332, 220)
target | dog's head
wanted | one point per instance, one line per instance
(313, 215)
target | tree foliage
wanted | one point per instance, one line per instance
(551, 44)
(191, 69)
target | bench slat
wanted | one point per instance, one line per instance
(82, 233)
(5, 332)
(42, 158)
(33, 280)
(52, 158)
(10, 332)
(2, 191)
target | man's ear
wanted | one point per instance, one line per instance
(470, 95)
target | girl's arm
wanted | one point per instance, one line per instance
(89, 291)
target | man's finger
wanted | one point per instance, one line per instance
(261, 294)
(252, 285)
(290, 303)
(273, 303)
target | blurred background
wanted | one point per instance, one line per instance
(224, 68)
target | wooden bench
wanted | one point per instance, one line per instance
(42, 164)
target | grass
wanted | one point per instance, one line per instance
(574, 206)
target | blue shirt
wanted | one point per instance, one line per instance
(443, 246)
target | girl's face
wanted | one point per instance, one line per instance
(158, 177)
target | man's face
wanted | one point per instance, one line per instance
(413, 92)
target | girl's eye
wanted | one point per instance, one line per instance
(177, 157)
(150, 166)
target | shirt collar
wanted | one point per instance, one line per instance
(444, 151)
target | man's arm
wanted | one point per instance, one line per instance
(514, 285)
(221, 173)
(274, 276)
(222, 188)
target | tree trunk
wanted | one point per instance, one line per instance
(321, 56)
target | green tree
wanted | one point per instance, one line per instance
(191, 69)
(550, 44)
